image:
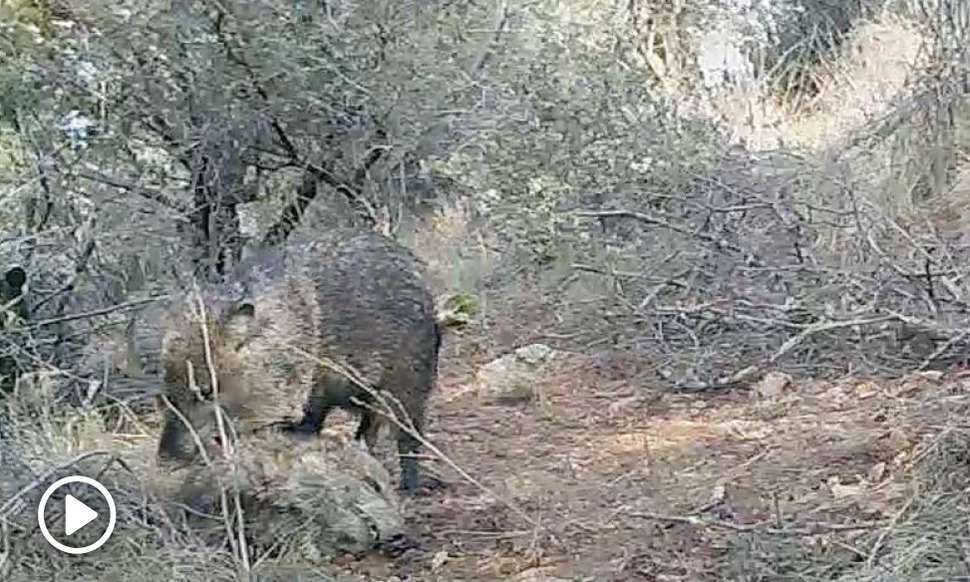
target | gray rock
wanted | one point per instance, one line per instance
(513, 377)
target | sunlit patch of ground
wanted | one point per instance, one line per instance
(611, 475)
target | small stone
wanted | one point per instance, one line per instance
(931, 375)
(773, 385)
(513, 377)
(876, 472)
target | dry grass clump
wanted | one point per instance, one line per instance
(41, 444)
(926, 538)
(859, 85)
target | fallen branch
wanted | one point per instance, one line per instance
(648, 219)
(80, 266)
(762, 527)
(749, 372)
(237, 539)
(146, 193)
(97, 312)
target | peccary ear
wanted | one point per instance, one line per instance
(240, 324)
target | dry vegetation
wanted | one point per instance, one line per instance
(756, 289)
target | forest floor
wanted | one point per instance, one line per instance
(600, 476)
(623, 483)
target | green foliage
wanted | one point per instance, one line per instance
(19, 91)
(24, 32)
(457, 309)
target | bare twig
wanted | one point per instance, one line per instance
(96, 312)
(649, 219)
(498, 26)
(80, 266)
(148, 194)
(238, 538)
(874, 552)
(762, 527)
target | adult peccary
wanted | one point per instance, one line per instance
(293, 333)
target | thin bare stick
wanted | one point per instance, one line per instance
(942, 349)
(5, 553)
(241, 546)
(763, 527)
(749, 372)
(648, 219)
(96, 312)
(500, 21)
(80, 267)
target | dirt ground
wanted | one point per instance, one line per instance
(617, 482)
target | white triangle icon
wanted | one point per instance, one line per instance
(76, 515)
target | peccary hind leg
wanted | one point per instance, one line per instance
(334, 391)
(407, 448)
(407, 445)
(368, 429)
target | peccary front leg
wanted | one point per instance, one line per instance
(315, 412)
(313, 417)
(332, 391)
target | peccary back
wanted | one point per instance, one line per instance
(293, 333)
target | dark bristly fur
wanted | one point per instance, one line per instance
(359, 301)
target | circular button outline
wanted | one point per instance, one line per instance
(112, 515)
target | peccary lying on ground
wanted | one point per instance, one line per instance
(321, 496)
(294, 333)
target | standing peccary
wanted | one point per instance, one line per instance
(277, 326)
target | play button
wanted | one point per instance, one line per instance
(76, 515)
(82, 520)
